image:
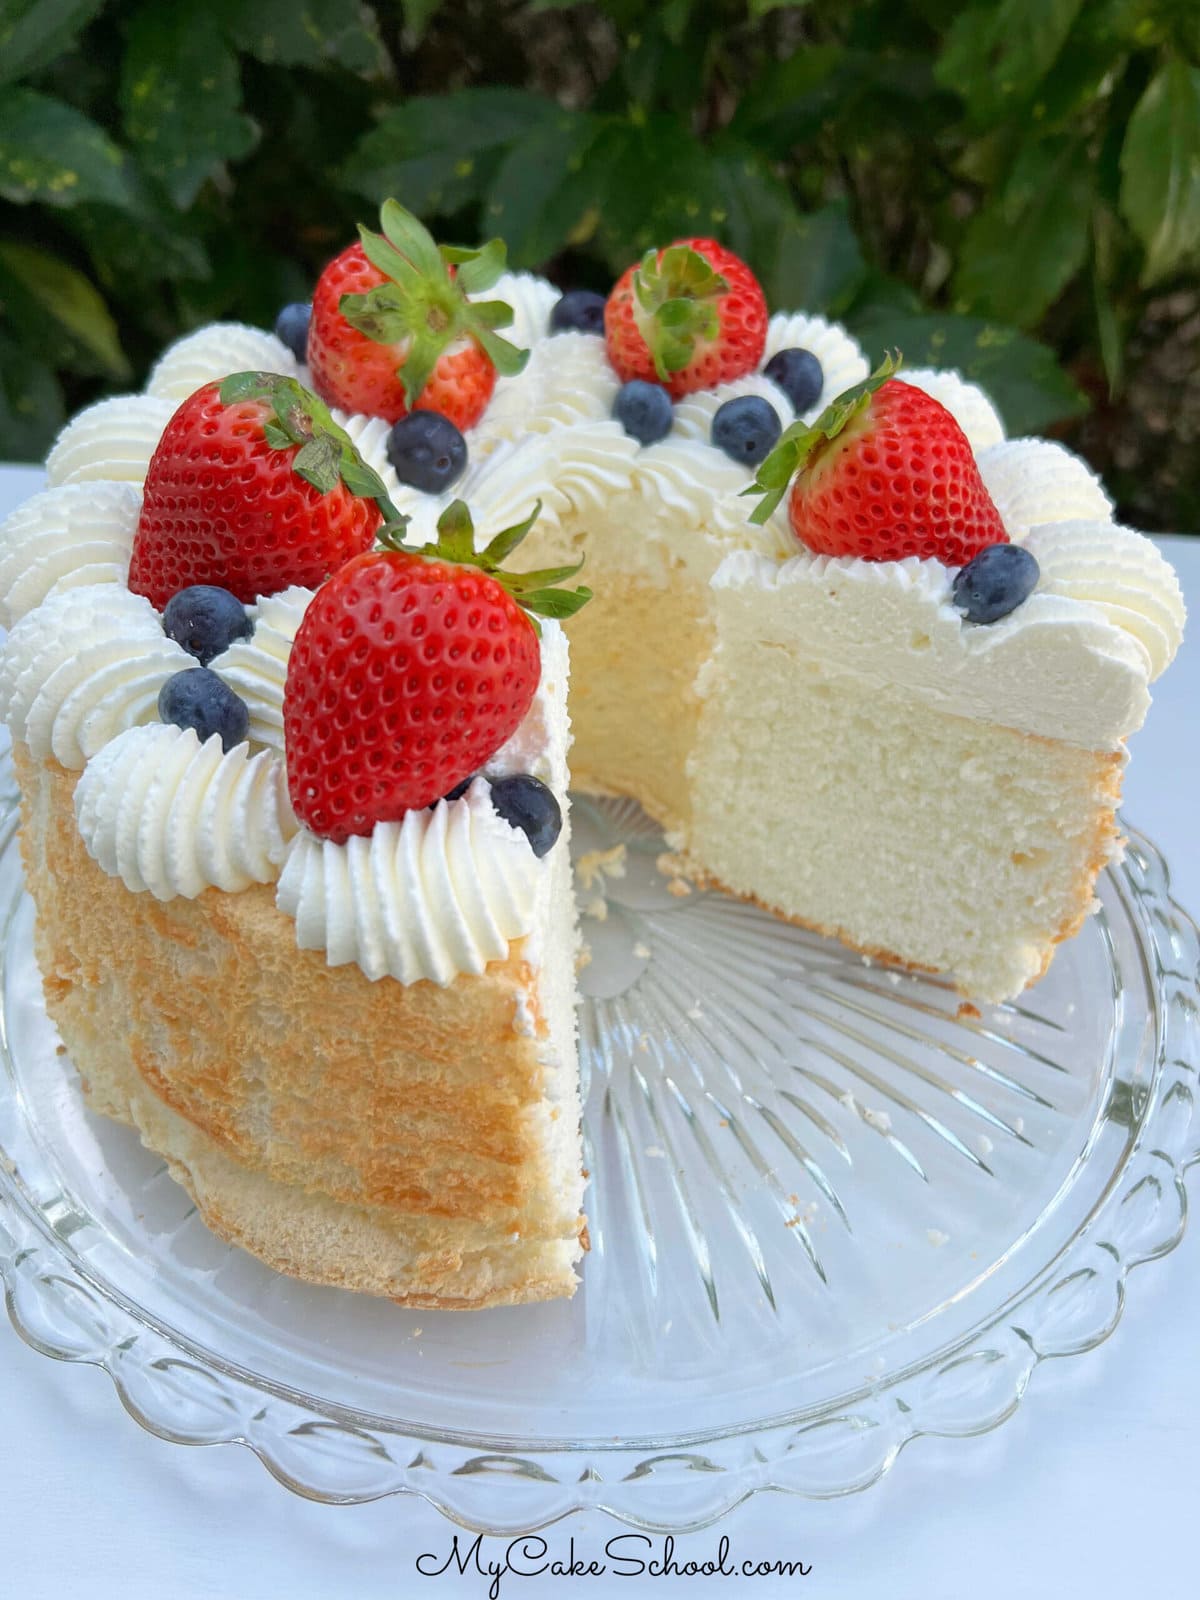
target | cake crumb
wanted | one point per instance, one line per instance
(416, 1333)
(936, 1237)
(879, 1120)
(966, 1009)
(1018, 1125)
(696, 1011)
(656, 1152)
(644, 1041)
(642, 951)
(596, 865)
(597, 908)
(679, 888)
(984, 1145)
(848, 1100)
(584, 958)
(60, 1049)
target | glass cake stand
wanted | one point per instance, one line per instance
(830, 1209)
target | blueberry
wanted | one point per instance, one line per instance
(197, 698)
(644, 410)
(746, 428)
(526, 803)
(205, 620)
(798, 373)
(291, 328)
(996, 582)
(579, 311)
(426, 451)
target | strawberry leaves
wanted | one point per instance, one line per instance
(801, 441)
(536, 592)
(326, 456)
(423, 305)
(676, 293)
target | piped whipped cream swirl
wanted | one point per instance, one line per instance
(214, 352)
(439, 893)
(71, 537)
(83, 667)
(111, 441)
(256, 668)
(171, 816)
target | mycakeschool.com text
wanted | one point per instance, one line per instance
(624, 1555)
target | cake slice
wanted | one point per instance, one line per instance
(355, 1046)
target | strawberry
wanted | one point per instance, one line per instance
(252, 487)
(689, 317)
(885, 472)
(393, 330)
(410, 669)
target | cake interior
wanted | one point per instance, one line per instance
(941, 841)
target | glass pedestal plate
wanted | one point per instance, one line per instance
(831, 1209)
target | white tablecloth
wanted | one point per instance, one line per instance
(1090, 1490)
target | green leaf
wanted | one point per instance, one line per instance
(818, 265)
(502, 545)
(31, 403)
(53, 154)
(456, 533)
(418, 14)
(1022, 376)
(996, 55)
(305, 33)
(181, 98)
(34, 32)
(546, 188)
(438, 153)
(1041, 220)
(60, 294)
(1160, 169)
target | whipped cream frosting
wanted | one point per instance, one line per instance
(214, 352)
(171, 816)
(439, 893)
(1035, 481)
(83, 667)
(1056, 667)
(71, 537)
(256, 668)
(111, 441)
(968, 405)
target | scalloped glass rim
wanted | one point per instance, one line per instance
(1056, 1285)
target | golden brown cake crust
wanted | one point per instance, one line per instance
(400, 1152)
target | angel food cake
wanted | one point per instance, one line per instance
(299, 850)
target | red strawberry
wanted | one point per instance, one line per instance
(689, 317)
(884, 473)
(393, 330)
(247, 490)
(410, 669)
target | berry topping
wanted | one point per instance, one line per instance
(644, 410)
(252, 487)
(996, 582)
(579, 311)
(205, 620)
(692, 316)
(526, 803)
(291, 327)
(798, 373)
(426, 451)
(197, 698)
(747, 429)
(393, 329)
(410, 669)
(885, 472)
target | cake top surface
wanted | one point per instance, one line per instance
(649, 440)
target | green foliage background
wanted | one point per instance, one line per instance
(1011, 187)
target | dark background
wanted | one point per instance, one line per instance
(1010, 187)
